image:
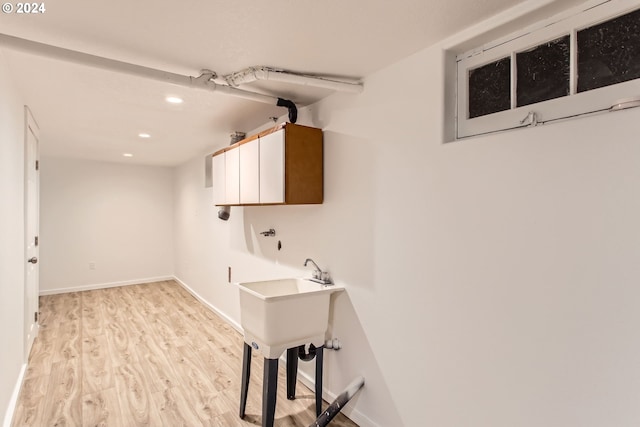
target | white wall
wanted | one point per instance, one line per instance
(490, 282)
(118, 216)
(12, 261)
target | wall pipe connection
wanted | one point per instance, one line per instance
(336, 406)
(252, 74)
(204, 81)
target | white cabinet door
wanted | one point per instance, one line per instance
(249, 172)
(219, 180)
(232, 176)
(272, 168)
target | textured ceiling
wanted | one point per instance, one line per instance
(90, 113)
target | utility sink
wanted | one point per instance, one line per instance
(285, 313)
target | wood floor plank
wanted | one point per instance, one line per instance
(158, 370)
(97, 365)
(134, 397)
(63, 404)
(102, 409)
(30, 411)
(92, 318)
(176, 410)
(145, 355)
(161, 325)
(192, 378)
(42, 353)
(121, 350)
(67, 343)
(108, 306)
(211, 361)
(60, 308)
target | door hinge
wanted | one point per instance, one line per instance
(37, 165)
(36, 240)
(35, 317)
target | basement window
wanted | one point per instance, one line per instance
(580, 62)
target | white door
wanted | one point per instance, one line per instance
(32, 198)
(272, 167)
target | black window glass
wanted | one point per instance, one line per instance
(609, 53)
(543, 72)
(490, 88)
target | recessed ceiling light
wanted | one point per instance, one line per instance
(127, 155)
(173, 100)
(144, 135)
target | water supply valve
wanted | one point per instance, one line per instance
(333, 344)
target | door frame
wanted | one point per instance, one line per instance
(31, 230)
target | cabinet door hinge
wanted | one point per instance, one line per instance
(36, 240)
(35, 317)
(37, 165)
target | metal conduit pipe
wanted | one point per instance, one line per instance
(336, 406)
(204, 81)
(252, 74)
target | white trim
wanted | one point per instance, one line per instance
(537, 26)
(11, 408)
(574, 104)
(104, 285)
(220, 313)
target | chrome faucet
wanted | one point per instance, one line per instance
(318, 275)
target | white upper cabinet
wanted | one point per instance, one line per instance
(249, 172)
(280, 166)
(219, 180)
(232, 177)
(272, 167)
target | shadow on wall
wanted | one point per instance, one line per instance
(339, 234)
(357, 357)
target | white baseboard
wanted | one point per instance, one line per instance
(8, 416)
(104, 285)
(235, 325)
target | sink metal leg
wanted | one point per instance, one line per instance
(319, 359)
(292, 372)
(269, 390)
(246, 374)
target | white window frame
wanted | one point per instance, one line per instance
(575, 104)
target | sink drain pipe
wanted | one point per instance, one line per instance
(304, 356)
(336, 406)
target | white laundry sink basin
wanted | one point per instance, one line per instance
(280, 314)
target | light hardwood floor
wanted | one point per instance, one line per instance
(144, 355)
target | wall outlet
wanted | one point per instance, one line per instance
(92, 265)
